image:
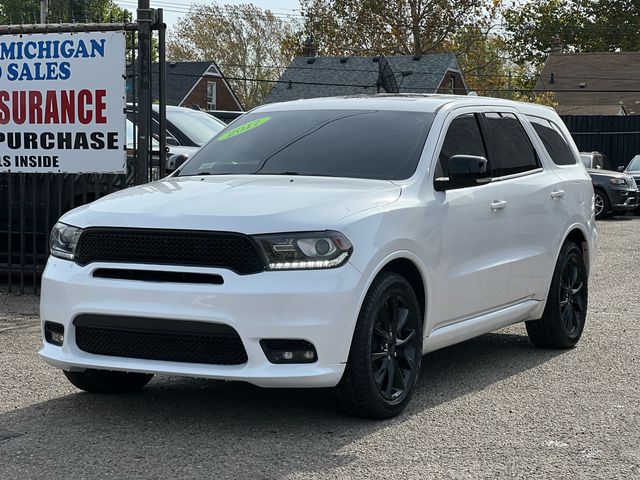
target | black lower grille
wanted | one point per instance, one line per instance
(159, 339)
(233, 251)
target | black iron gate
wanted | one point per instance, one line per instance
(30, 203)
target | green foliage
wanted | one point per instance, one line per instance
(60, 11)
(245, 41)
(397, 27)
(583, 26)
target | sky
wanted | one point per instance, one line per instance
(174, 9)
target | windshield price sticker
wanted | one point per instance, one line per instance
(234, 132)
(62, 100)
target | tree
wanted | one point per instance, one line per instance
(583, 26)
(397, 27)
(250, 45)
(61, 11)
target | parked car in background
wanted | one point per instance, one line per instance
(227, 116)
(328, 243)
(613, 192)
(633, 169)
(187, 129)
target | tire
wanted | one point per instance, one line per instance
(602, 204)
(107, 381)
(386, 351)
(564, 316)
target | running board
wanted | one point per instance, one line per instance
(461, 331)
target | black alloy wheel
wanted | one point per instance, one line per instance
(565, 313)
(394, 345)
(572, 296)
(386, 351)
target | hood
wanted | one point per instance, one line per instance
(238, 203)
(598, 172)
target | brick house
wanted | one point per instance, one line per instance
(311, 77)
(192, 84)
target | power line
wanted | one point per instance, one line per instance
(430, 89)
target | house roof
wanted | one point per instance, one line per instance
(181, 78)
(336, 76)
(591, 110)
(593, 79)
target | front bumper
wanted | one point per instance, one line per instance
(319, 306)
(624, 199)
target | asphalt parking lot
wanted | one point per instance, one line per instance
(492, 407)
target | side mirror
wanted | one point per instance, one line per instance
(175, 162)
(464, 171)
(171, 141)
(621, 168)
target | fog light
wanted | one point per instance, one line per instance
(288, 351)
(54, 333)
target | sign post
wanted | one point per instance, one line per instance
(62, 103)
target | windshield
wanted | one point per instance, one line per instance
(634, 164)
(200, 127)
(336, 143)
(131, 134)
(586, 160)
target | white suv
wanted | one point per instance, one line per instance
(328, 243)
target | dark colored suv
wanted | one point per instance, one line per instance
(613, 192)
(633, 169)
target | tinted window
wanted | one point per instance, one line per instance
(511, 150)
(463, 138)
(553, 140)
(340, 143)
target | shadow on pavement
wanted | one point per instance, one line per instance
(178, 425)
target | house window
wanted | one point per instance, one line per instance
(452, 81)
(211, 95)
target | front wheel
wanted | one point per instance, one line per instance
(386, 351)
(564, 315)
(107, 381)
(601, 204)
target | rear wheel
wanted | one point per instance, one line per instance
(564, 316)
(601, 204)
(386, 351)
(107, 381)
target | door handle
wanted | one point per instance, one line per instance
(498, 205)
(556, 194)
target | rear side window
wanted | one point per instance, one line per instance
(512, 152)
(553, 140)
(463, 138)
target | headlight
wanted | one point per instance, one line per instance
(64, 239)
(617, 181)
(304, 251)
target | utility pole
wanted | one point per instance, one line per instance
(44, 9)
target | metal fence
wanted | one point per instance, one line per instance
(30, 204)
(618, 137)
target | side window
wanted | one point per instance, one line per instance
(511, 150)
(553, 140)
(463, 138)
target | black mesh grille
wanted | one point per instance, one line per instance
(234, 251)
(154, 339)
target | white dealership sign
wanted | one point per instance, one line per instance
(62, 100)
